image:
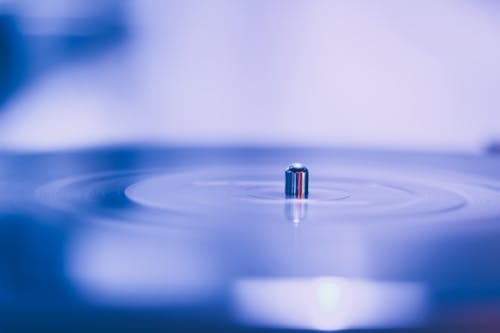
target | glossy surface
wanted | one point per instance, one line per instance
(297, 181)
(143, 239)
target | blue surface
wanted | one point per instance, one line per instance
(79, 254)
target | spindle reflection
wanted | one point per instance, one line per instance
(296, 210)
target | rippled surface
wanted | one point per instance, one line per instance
(185, 239)
(350, 192)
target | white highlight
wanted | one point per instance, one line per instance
(329, 303)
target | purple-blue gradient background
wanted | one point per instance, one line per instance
(413, 75)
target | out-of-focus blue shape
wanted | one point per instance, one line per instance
(12, 56)
(329, 303)
(493, 148)
(161, 269)
(33, 40)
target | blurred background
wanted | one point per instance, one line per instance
(385, 74)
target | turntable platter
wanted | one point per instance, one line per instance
(385, 240)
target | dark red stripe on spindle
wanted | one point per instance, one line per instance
(299, 184)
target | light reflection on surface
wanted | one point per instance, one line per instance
(116, 267)
(296, 210)
(329, 303)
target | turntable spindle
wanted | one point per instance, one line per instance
(296, 181)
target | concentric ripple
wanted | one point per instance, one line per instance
(238, 195)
